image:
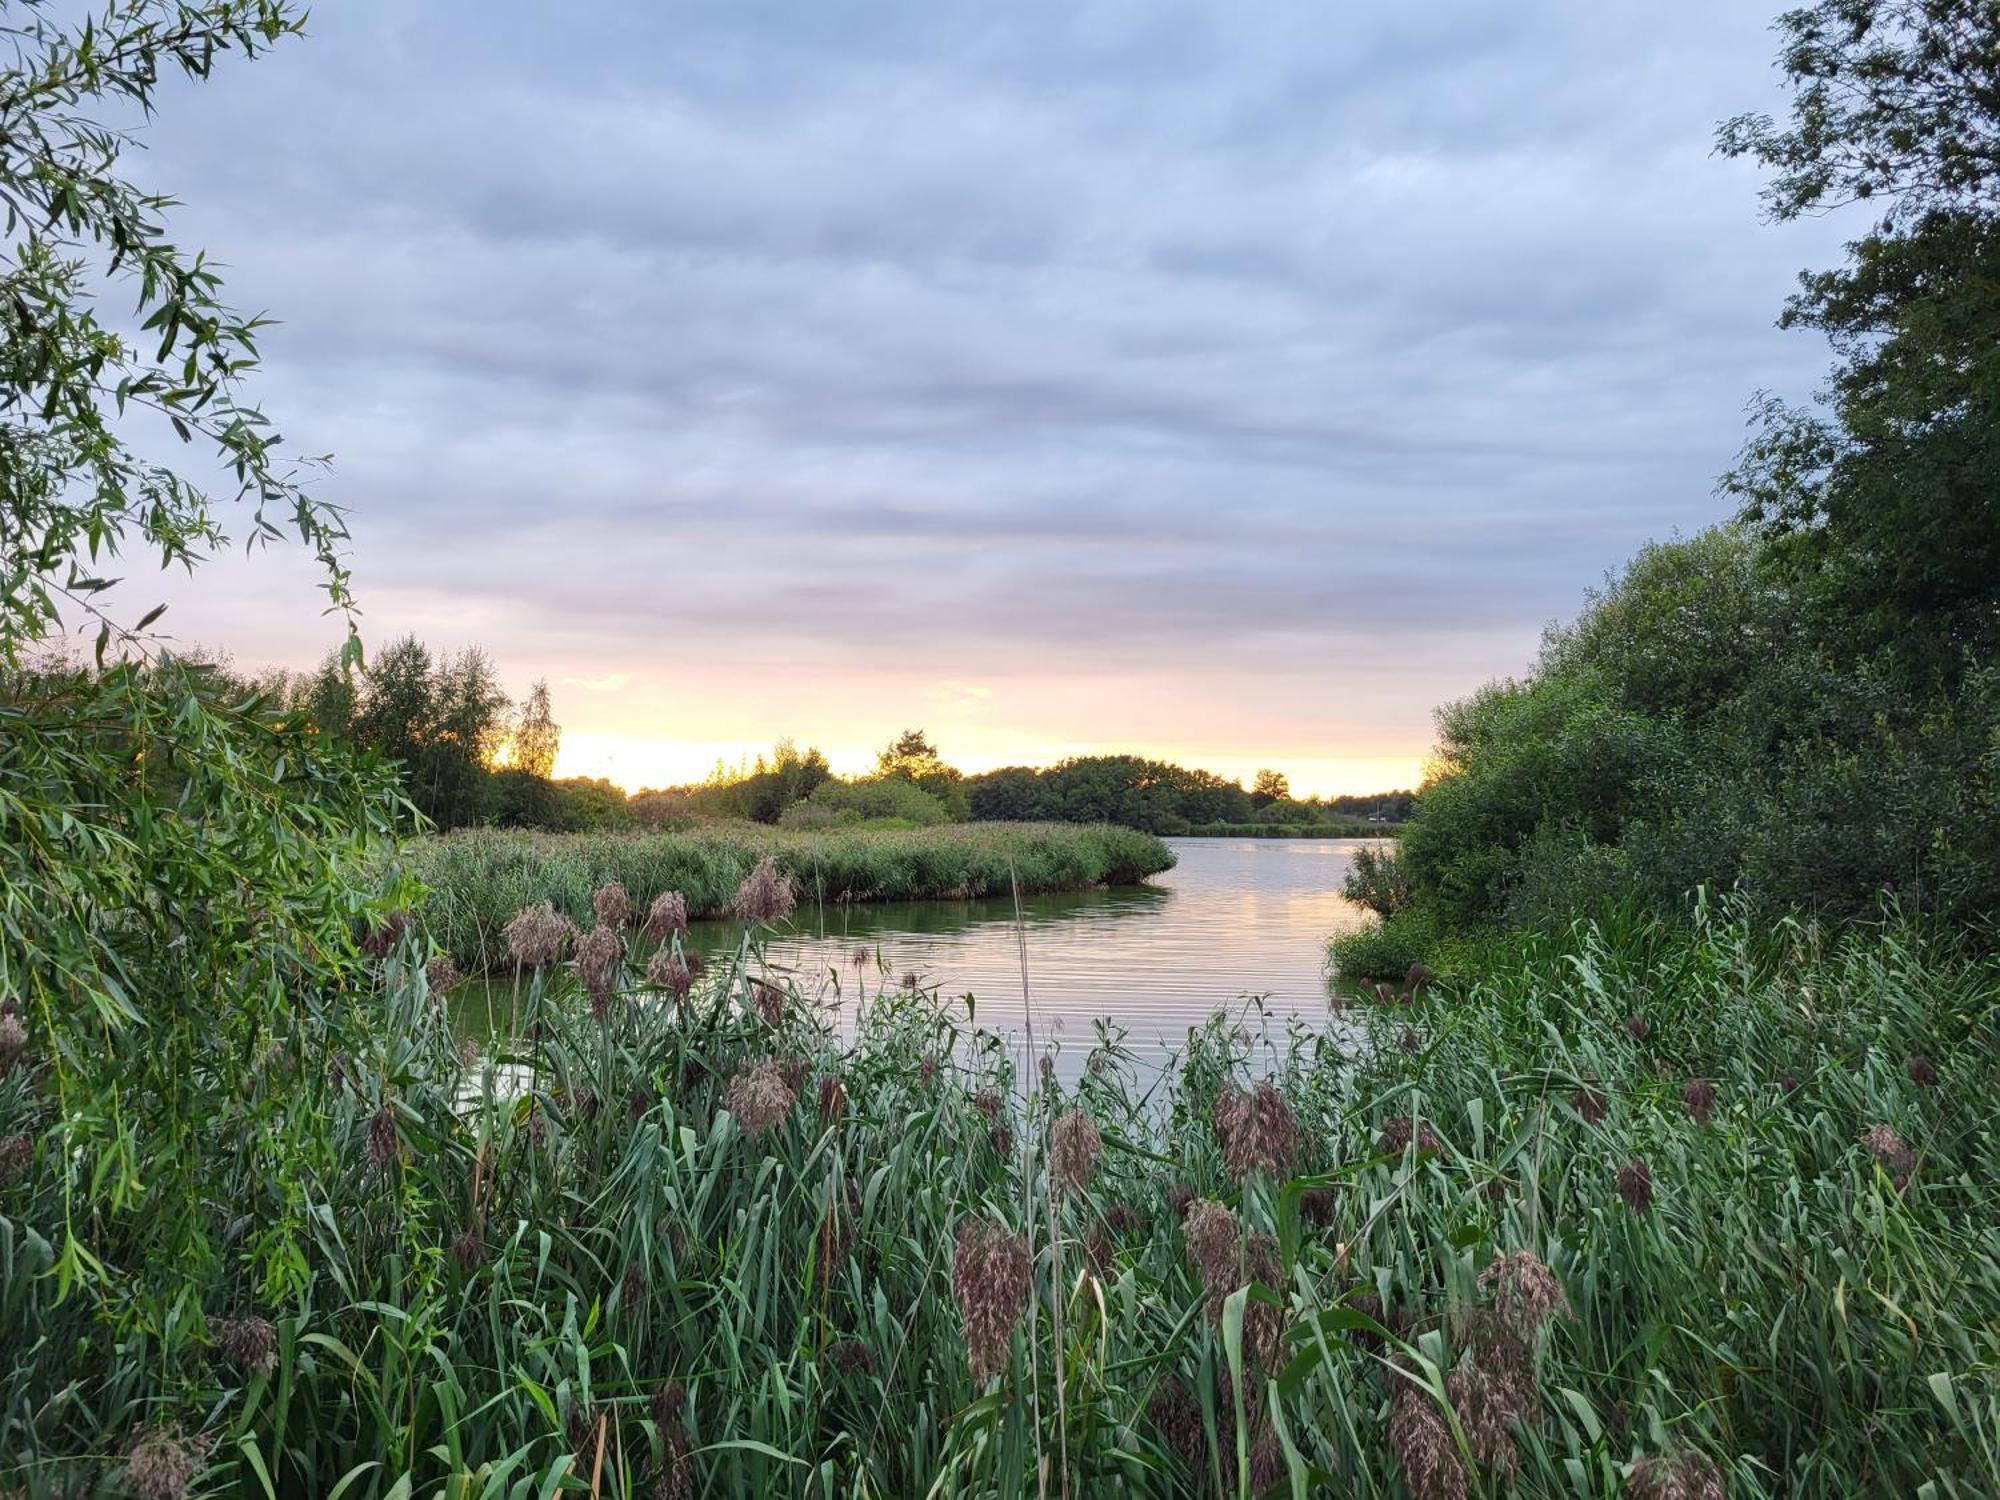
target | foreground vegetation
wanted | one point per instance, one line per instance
(476, 881)
(1712, 1204)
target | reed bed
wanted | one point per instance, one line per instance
(1654, 1212)
(478, 879)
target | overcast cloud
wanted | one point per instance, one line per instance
(1231, 380)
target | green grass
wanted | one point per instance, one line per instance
(477, 880)
(1784, 1307)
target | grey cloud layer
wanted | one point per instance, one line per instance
(1133, 337)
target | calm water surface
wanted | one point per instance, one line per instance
(1233, 923)
(1235, 920)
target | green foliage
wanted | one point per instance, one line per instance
(1125, 789)
(178, 857)
(875, 801)
(537, 737)
(477, 879)
(81, 402)
(513, 1262)
(911, 757)
(1376, 880)
(442, 720)
(1885, 511)
(1682, 732)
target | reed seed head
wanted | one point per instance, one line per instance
(860, 956)
(1215, 1247)
(987, 1102)
(770, 1001)
(1590, 1105)
(667, 917)
(1699, 1096)
(1002, 1138)
(851, 1357)
(1425, 1448)
(1074, 1143)
(1417, 977)
(989, 1277)
(469, 1247)
(612, 905)
(385, 1144)
(666, 971)
(16, 1152)
(441, 976)
(1263, 1325)
(1889, 1148)
(1178, 1417)
(1636, 1027)
(1923, 1072)
(632, 1290)
(1677, 1476)
(160, 1465)
(760, 1097)
(1398, 1134)
(1257, 1130)
(832, 1100)
(250, 1343)
(1525, 1291)
(381, 939)
(765, 895)
(676, 1474)
(1484, 1398)
(598, 953)
(536, 935)
(1635, 1185)
(13, 1040)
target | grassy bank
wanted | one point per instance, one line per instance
(479, 879)
(704, 1249)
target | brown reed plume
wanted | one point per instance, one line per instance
(1635, 1185)
(759, 1096)
(666, 970)
(1889, 1148)
(765, 895)
(16, 1152)
(161, 1464)
(598, 953)
(1686, 1475)
(1257, 1130)
(250, 1343)
(667, 917)
(670, 1419)
(536, 935)
(1074, 1143)
(989, 1279)
(1433, 1468)
(441, 976)
(1699, 1096)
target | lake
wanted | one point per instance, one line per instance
(1234, 920)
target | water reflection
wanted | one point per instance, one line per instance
(1234, 920)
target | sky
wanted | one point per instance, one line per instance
(1231, 383)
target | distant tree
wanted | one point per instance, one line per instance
(537, 736)
(1269, 787)
(914, 758)
(1014, 794)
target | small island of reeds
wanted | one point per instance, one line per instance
(476, 880)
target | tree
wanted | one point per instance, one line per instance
(1885, 510)
(178, 894)
(537, 736)
(1270, 786)
(914, 758)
